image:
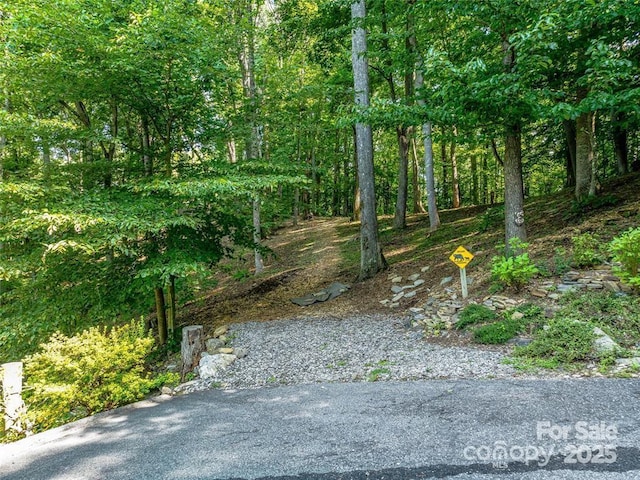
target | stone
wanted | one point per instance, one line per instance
(517, 316)
(603, 342)
(414, 277)
(394, 305)
(166, 391)
(410, 294)
(595, 286)
(225, 350)
(536, 292)
(416, 310)
(628, 362)
(241, 352)
(418, 282)
(469, 280)
(212, 364)
(396, 288)
(396, 279)
(385, 302)
(218, 332)
(213, 344)
(554, 296)
(397, 297)
(425, 269)
(446, 280)
(611, 286)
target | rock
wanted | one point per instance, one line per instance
(410, 294)
(166, 391)
(604, 343)
(628, 362)
(416, 310)
(225, 350)
(397, 297)
(594, 286)
(396, 279)
(425, 269)
(445, 280)
(172, 367)
(519, 341)
(218, 332)
(212, 364)
(414, 277)
(396, 288)
(554, 296)
(469, 280)
(536, 292)
(241, 352)
(213, 344)
(394, 305)
(418, 282)
(611, 286)
(385, 302)
(517, 316)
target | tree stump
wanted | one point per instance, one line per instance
(191, 347)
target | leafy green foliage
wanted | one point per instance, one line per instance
(590, 204)
(474, 314)
(72, 377)
(586, 250)
(564, 340)
(514, 271)
(491, 219)
(498, 332)
(626, 250)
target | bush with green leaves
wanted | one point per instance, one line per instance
(498, 332)
(564, 340)
(626, 250)
(96, 370)
(474, 314)
(586, 250)
(514, 270)
(492, 218)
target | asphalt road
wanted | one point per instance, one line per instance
(505, 429)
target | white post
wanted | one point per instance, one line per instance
(12, 395)
(463, 282)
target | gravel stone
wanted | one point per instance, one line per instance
(319, 350)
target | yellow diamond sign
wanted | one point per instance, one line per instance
(461, 257)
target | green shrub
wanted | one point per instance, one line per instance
(591, 203)
(586, 250)
(626, 250)
(491, 219)
(473, 314)
(498, 332)
(514, 271)
(96, 370)
(564, 340)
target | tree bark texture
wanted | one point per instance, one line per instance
(191, 347)
(620, 145)
(585, 140)
(513, 186)
(455, 178)
(400, 218)
(161, 315)
(570, 136)
(371, 259)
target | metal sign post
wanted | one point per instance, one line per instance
(461, 257)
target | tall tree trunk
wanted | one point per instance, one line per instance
(443, 158)
(485, 179)
(371, 258)
(171, 307)
(513, 185)
(475, 197)
(161, 315)
(570, 137)
(585, 140)
(620, 146)
(400, 217)
(455, 179)
(418, 207)
(252, 143)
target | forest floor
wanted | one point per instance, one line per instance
(310, 256)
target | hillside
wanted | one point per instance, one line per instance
(308, 257)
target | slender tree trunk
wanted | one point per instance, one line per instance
(171, 307)
(259, 264)
(147, 160)
(231, 151)
(620, 146)
(371, 258)
(475, 197)
(443, 157)
(400, 218)
(455, 179)
(570, 136)
(485, 178)
(585, 140)
(161, 315)
(418, 207)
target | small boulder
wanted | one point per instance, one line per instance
(212, 364)
(220, 331)
(418, 282)
(414, 277)
(396, 288)
(213, 344)
(603, 342)
(396, 279)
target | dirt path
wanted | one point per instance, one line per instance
(306, 258)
